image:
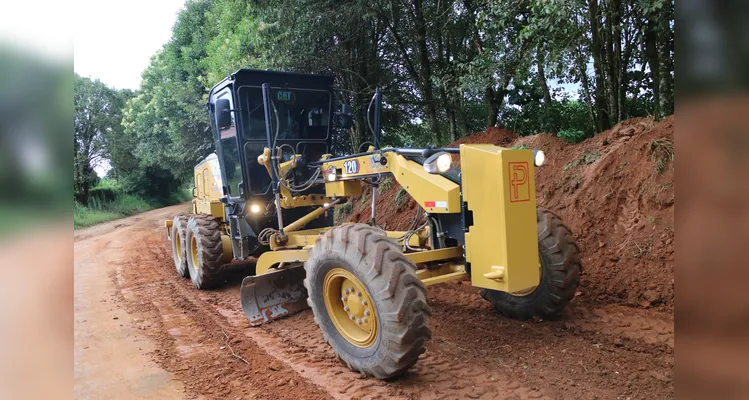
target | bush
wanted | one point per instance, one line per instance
(572, 135)
(534, 117)
(152, 183)
(103, 194)
(108, 203)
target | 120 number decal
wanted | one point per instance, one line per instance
(351, 167)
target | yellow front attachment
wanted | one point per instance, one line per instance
(502, 244)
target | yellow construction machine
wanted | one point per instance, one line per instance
(269, 192)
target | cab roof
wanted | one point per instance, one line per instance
(247, 76)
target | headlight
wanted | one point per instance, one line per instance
(438, 163)
(331, 174)
(254, 208)
(539, 158)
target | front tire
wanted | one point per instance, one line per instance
(560, 274)
(367, 300)
(205, 251)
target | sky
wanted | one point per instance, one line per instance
(114, 40)
(54, 42)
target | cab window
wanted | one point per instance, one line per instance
(230, 151)
(297, 114)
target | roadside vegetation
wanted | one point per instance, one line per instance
(446, 69)
(108, 201)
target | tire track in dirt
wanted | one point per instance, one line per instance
(297, 342)
(591, 352)
(193, 341)
(578, 359)
(650, 327)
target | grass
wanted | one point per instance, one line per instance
(340, 212)
(662, 151)
(84, 216)
(401, 196)
(385, 185)
(585, 159)
(97, 211)
(118, 205)
(364, 203)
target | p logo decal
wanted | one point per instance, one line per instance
(520, 188)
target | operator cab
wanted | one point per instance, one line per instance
(299, 121)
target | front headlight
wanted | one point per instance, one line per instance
(331, 174)
(254, 208)
(438, 163)
(539, 158)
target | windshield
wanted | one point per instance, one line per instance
(297, 114)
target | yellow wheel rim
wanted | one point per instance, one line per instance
(178, 245)
(194, 253)
(350, 307)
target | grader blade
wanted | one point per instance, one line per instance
(273, 295)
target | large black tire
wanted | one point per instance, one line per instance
(398, 295)
(179, 252)
(205, 252)
(560, 274)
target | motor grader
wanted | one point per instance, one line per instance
(269, 192)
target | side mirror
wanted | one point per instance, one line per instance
(223, 113)
(347, 120)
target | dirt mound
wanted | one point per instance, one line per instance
(615, 191)
(496, 136)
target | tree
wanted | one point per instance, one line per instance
(97, 118)
(446, 68)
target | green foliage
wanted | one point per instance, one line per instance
(572, 135)
(385, 185)
(96, 121)
(84, 216)
(527, 115)
(153, 183)
(363, 203)
(446, 69)
(340, 212)
(408, 135)
(97, 211)
(401, 196)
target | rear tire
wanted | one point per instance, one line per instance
(179, 232)
(205, 251)
(398, 324)
(560, 274)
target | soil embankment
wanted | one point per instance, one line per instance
(615, 191)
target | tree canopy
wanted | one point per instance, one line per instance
(447, 68)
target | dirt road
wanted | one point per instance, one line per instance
(170, 340)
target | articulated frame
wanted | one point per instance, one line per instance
(441, 265)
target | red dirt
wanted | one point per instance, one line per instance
(616, 339)
(591, 351)
(618, 205)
